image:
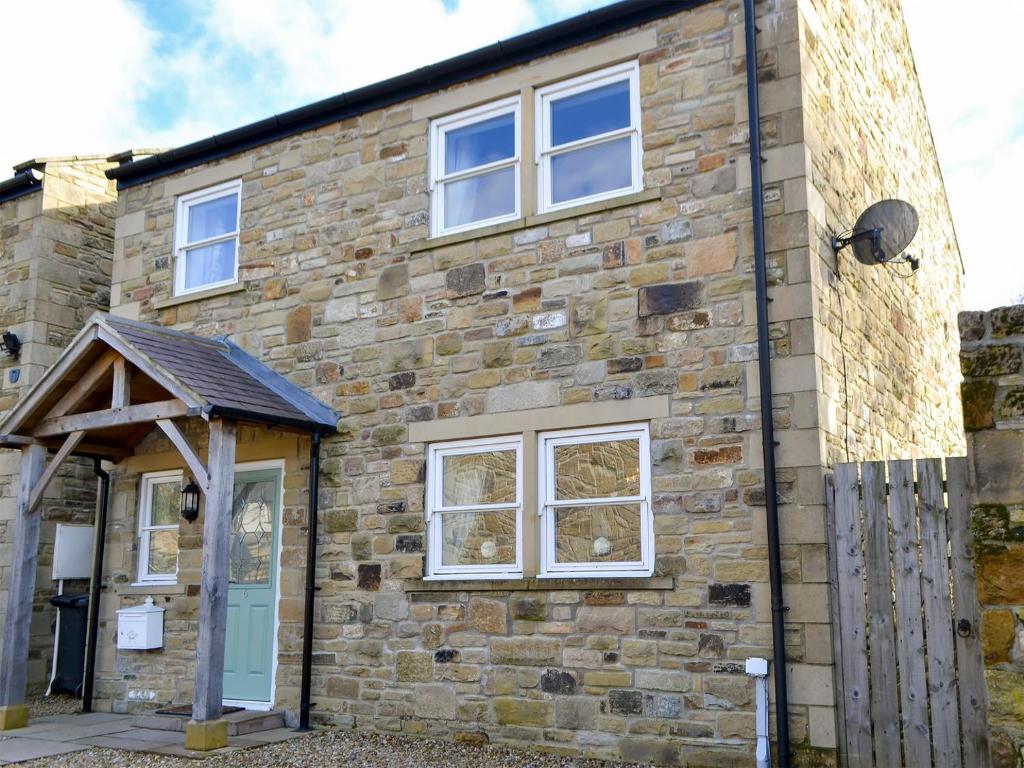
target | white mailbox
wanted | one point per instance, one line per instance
(141, 626)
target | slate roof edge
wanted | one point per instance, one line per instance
(319, 414)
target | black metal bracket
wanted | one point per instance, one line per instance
(874, 235)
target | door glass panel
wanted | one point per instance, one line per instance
(597, 470)
(598, 534)
(252, 520)
(479, 478)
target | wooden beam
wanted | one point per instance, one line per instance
(21, 590)
(65, 450)
(195, 464)
(38, 392)
(85, 386)
(115, 417)
(208, 701)
(121, 393)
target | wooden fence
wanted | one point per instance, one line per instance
(909, 672)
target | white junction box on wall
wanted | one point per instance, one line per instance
(72, 552)
(140, 627)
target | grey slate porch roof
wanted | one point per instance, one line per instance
(211, 377)
(229, 380)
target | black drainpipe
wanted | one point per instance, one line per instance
(765, 375)
(94, 587)
(307, 619)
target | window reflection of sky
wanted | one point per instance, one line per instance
(212, 218)
(592, 170)
(479, 143)
(591, 113)
(479, 197)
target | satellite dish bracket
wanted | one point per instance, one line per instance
(874, 235)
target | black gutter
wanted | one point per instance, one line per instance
(92, 633)
(764, 369)
(483, 61)
(20, 184)
(307, 618)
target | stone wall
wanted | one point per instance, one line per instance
(992, 358)
(56, 247)
(885, 340)
(342, 291)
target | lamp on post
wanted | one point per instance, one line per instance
(190, 501)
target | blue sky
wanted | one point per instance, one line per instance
(158, 73)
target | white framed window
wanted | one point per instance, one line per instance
(159, 508)
(474, 167)
(474, 509)
(595, 502)
(588, 138)
(206, 238)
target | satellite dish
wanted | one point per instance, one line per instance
(881, 233)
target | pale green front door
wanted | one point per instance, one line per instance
(252, 594)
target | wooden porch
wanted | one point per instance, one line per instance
(117, 382)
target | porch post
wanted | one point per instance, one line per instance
(20, 594)
(207, 729)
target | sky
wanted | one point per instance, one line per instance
(105, 75)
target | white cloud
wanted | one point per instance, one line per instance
(969, 65)
(99, 78)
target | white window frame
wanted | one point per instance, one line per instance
(435, 509)
(149, 480)
(438, 179)
(547, 503)
(181, 244)
(545, 96)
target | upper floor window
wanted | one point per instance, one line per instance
(475, 167)
(585, 141)
(206, 238)
(588, 138)
(159, 507)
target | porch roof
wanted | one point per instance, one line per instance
(172, 373)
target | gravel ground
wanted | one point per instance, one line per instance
(58, 704)
(331, 749)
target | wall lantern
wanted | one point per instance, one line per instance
(190, 501)
(11, 344)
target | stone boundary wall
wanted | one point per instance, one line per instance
(992, 359)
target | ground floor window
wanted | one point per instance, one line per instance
(595, 502)
(592, 516)
(159, 507)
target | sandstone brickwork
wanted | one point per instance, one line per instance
(992, 356)
(56, 247)
(649, 296)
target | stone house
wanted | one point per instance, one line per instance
(56, 246)
(524, 279)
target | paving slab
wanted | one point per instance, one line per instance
(178, 750)
(17, 750)
(121, 741)
(270, 737)
(76, 732)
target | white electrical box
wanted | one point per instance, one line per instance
(72, 552)
(141, 626)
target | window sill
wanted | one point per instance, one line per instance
(198, 295)
(542, 585)
(156, 588)
(634, 198)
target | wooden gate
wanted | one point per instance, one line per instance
(906, 632)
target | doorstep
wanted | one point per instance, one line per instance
(240, 722)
